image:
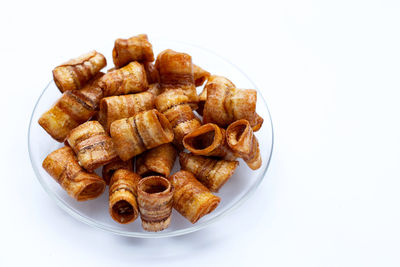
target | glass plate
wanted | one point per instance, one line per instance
(95, 212)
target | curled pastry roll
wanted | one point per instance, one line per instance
(191, 198)
(176, 106)
(110, 168)
(139, 133)
(200, 75)
(126, 80)
(92, 145)
(226, 104)
(151, 72)
(72, 109)
(171, 98)
(119, 107)
(122, 196)
(63, 166)
(136, 48)
(176, 70)
(75, 73)
(183, 121)
(156, 161)
(208, 140)
(155, 196)
(242, 141)
(211, 172)
(154, 88)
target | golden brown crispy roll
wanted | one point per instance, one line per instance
(139, 133)
(208, 140)
(183, 121)
(155, 202)
(226, 104)
(92, 145)
(242, 141)
(136, 48)
(151, 72)
(122, 196)
(156, 161)
(200, 75)
(110, 168)
(126, 80)
(72, 109)
(119, 107)
(175, 69)
(154, 88)
(63, 166)
(213, 173)
(171, 98)
(192, 199)
(75, 73)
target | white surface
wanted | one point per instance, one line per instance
(330, 73)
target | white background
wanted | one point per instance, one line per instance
(329, 71)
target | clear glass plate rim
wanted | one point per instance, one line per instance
(80, 217)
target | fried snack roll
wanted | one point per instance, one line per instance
(243, 142)
(156, 161)
(139, 133)
(154, 88)
(126, 80)
(110, 168)
(122, 193)
(151, 72)
(213, 173)
(176, 70)
(75, 73)
(92, 145)
(155, 196)
(192, 199)
(119, 107)
(63, 166)
(200, 75)
(208, 140)
(226, 104)
(72, 109)
(175, 105)
(136, 48)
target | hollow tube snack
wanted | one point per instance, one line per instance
(136, 48)
(126, 80)
(225, 103)
(211, 172)
(156, 161)
(122, 193)
(200, 75)
(208, 140)
(243, 142)
(139, 133)
(191, 198)
(72, 109)
(175, 69)
(92, 145)
(155, 196)
(119, 107)
(175, 105)
(110, 168)
(63, 166)
(75, 73)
